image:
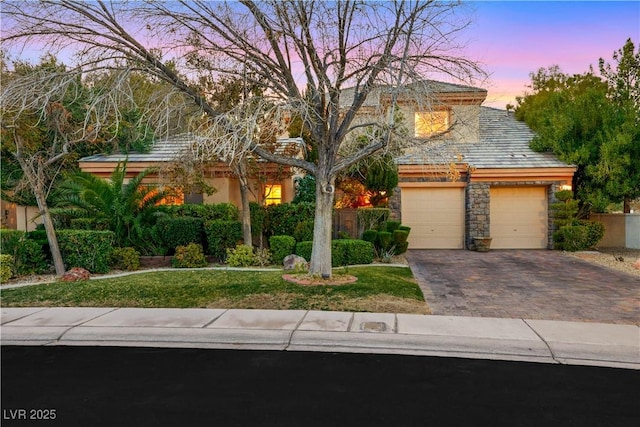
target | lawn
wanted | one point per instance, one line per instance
(378, 289)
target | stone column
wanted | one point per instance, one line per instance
(477, 220)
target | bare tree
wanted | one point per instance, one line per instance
(41, 132)
(304, 54)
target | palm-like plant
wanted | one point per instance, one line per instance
(129, 208)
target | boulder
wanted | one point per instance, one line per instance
(75, 275)
(294, 262)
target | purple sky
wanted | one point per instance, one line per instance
(515, 38)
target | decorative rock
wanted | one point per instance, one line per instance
(293, 262)
(637, 264)
(75, 275)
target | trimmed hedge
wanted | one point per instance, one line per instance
(90, 250)
(351, 252)
(281, 246)
(212, 212)
(222, 235)
(372, 218)
(303, 249)
(578, 237)
(286, 219)
(28, 255)
(343, 252)
(89, 224)
(180, 231)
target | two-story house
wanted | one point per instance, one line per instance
(469, 171)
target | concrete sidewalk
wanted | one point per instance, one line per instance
(299, 330)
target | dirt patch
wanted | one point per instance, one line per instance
(377, 303)
(313, 280)
(620, 259)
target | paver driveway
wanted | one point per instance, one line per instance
(529, 284)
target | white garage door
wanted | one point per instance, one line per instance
(436, 217)
(519, 217)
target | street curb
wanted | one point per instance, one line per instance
(541, 341)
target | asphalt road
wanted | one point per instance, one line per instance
(111, 386)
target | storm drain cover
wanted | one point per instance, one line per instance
(373, 326)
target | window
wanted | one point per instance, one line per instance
(272, 194)
(429, 123)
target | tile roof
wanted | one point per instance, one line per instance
(504, 143)
(425, 86)
(169, 149)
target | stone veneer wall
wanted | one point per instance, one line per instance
(477, 216)
(394, 203)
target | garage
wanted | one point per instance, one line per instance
(519, 218)
(435, 215)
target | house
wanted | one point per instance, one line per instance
(269, 183)
(468, 173)
(472, 174)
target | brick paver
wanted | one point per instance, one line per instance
(531, 284)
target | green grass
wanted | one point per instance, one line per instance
(380, 289)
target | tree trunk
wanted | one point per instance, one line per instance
(320, 262)
(58, 263)
(246, 209)
(626, 205)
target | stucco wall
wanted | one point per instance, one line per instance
(621, 230)
(614, 230)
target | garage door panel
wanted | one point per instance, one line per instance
(436, 217)
(519, 217)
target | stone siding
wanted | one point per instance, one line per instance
(477, 216)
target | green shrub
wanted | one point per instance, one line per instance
(352, 252)
(241, 256)
(40, 237)
(343, 235)
(370, 236)
(263, 257)
(88, 224)
(189, 256)
(343, 252)
(258, 218)
(6, 267)
(572, 238)
(28, 257)
(212, 212)
(595, 231)
(125, 259)
(400, 241)
(90, 250)
(222, 235)
(180, 231)
(385, 240)
(372, 218)
(281, 246)
(285, 219)
(303, 249)
(392, 226)
(405, 228)
(303, 231)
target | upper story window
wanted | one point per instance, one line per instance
(429, 123)
(272, 194)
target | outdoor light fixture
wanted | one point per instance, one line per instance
(565, 187)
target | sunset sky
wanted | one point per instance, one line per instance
(515, 38)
